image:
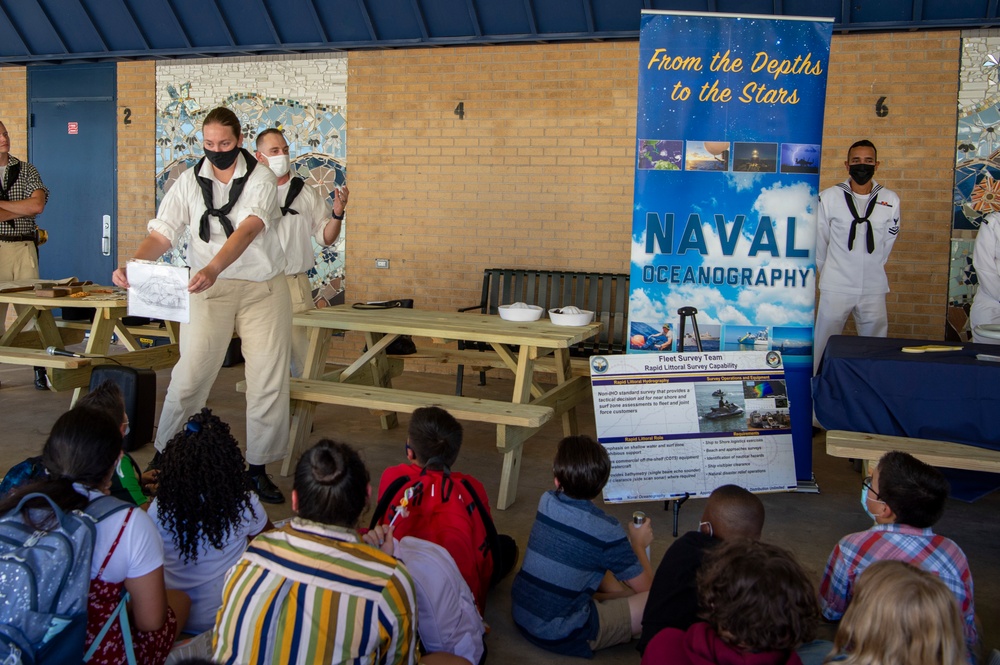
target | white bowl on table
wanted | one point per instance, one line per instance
(526, 313)
(573, 318)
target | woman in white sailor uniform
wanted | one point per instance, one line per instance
(986, 304)
(228, 201)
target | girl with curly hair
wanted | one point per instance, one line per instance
(758, 605)
(201, 467)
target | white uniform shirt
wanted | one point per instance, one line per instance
(295, 231)
(854, 271)
(182, 206)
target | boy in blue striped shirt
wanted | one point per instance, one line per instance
(584, 581)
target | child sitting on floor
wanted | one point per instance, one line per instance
(445, 507)
(576, 551)
(906, 498)
(128, 484)
(758, 605)
(731, 512)
(205, 512)
(900, 614)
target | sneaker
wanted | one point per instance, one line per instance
(41, 379)
(265, 488)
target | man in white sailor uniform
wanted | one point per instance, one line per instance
(857, 224)
(985, 257)
(304, 216)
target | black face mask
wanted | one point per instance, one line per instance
(222, 160)
(861, 173)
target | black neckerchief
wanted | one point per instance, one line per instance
(870, 237)
(13, 171)
(295, 186)
(204, 231)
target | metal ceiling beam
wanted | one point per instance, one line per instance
(367, 19)
(474, 16)
(222, 19)
(93, 24)
(918, 10)
(529, 10)
(588, 11)
(270, 24)
(177, 23)
(17, 31)
(419, 15)
(991, 10)
(55, 30)
(311, 4)
(135, 22)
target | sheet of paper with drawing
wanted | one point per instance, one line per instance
(159, 290)
(690, 422)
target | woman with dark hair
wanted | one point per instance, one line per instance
(314, 592)
(758, 605)
(81, 454)
(202, 466)
(237, 284)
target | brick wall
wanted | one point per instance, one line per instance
(538, 173)
(14, 108)
(917, 73)
(136, 154)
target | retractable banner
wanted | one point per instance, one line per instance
(729, 127)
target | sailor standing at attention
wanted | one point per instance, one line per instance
(857, 224)
(303, 216)
(22, 196)
(238, 284)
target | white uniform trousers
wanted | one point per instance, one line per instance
(984, 311)
(18, 260)
(831, 314)
(302, 301)
(261, 313)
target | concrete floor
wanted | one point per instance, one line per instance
(807, 524)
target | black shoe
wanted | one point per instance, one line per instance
(154, 464)
(41, 380)
(266, 490)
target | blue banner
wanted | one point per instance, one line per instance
(729, 130)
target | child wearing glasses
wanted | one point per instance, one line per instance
(905, 497)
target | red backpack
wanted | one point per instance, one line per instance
(451, 514)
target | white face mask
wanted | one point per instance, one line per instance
(278, 164)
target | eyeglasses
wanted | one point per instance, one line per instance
(867, 483)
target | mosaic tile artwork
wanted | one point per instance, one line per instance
(314, 125)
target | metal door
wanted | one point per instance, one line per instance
(73, 145)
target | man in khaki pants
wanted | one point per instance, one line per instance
(304, 216)
(22, 196)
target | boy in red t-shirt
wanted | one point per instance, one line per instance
(445, 507)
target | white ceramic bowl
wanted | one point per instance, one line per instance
(529, 313)
(581, 319)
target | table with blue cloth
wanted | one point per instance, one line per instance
(868, 384)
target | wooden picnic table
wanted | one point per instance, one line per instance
(519, 345)
(111, 305)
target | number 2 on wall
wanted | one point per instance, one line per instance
(127, 120)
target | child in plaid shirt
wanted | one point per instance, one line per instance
(906, 498)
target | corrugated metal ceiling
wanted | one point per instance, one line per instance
(61, 31)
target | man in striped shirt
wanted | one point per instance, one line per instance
(906, 498)
(313, 592)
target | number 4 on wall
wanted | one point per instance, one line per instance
(460, 110)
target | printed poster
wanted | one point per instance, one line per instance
(729, 130)
(686, 423)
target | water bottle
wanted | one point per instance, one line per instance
(638, 517)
